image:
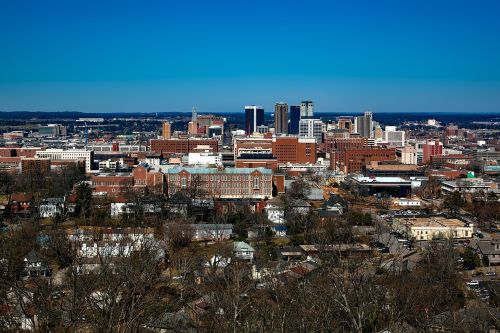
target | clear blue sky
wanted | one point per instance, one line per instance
(154, 56)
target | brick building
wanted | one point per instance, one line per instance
(182, 146)
(431, 148)
(18, 151)
(115, 184)
(230, 183)
(354, 160)
(35, 165)
(294, 150)
(336, 143)
(287, 149)
(454, 161)
(258, 160)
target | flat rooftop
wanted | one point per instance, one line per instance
(435, 222)
(379, 180)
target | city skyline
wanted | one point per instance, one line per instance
(164, 57)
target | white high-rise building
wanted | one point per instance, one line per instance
(394, 137)
(306, 109)
(312, 128)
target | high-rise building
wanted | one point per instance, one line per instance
(394, 137)
(431, 148)
(306, 109)
(281, 118)
(294, 119)
(310, 127)
(364, 125)
(254, 117)
(345, 123)
(166, 130)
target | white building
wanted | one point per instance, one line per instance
(109, 165)
(51, 207)
(243, 251)
(410, 203)
(428, 228)
(306, 109)
(394, 137)
(203, 158)
(468, 185)
(312, 128)
(407, 154)
(69, 154)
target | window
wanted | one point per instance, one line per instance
(256, 182)
(183, 182)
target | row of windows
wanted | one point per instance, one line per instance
(218, 178)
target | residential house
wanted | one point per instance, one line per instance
(51, 207)
(35, 265)
(489, 249)
(243, 251)
(211, 232)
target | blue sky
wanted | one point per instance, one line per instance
(155, 56)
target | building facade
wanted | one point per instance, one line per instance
(306, 109)
(182, 146)
(254, 117)
(294, 119)
(281, 118)
(229, 183)
(166, 130)
(312, 128)
(69, 154)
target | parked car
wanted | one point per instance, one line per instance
(473, 283)
(475, 274)
(491, 273)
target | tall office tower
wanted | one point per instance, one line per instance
(193, 124)
(306, 109)
(364, 125)
(194, 114)
(166, 130)
(394, 137)
(378, 133)
(281, 118)
(294, 119)
(313, 128)
(254, 116)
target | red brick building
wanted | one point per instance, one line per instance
(287, 149)
(353, 160)
(334, 143)
(294, 150)
(115, 184)
(182, 146)
(35, 165)
(231, 183)
(256, 161)
(431, 148)
(18, 151)
(454, 161)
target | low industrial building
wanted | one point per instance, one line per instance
(384, 186)
(434, 227)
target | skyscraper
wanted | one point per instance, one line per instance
(294, 119)
(254, 116)
(281, 118)
(313, 128)
(306, 109)
(364, 125)
(166, 130)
